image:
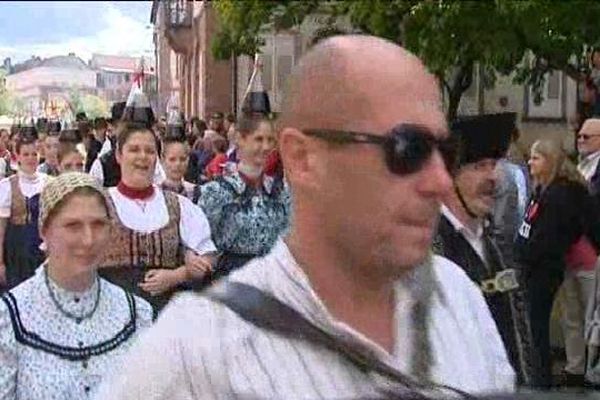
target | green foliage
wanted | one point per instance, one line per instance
(94, 106)
(451, 36)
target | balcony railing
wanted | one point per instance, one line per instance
(179, 14)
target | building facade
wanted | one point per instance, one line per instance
(46, 87)
(115, 75)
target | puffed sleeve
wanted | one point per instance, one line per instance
(8, 356)
(144, 313)
(213, 201)
(5, 198)
(96, 170)
(194, 227)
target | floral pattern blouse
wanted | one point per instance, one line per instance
(244, 220)
(45, 355)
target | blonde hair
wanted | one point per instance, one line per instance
(562, 168)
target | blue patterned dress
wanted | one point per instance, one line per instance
(245, 221)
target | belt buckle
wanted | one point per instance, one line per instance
(489, 286)
(506, 280)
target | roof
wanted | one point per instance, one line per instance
(119, 63)
(71, 61)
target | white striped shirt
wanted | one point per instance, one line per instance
(202, 350)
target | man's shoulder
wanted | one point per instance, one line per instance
(453, 282)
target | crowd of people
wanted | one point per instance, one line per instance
(357, 247)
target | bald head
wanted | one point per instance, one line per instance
(344, 80)
(588, 139)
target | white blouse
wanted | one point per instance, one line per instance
(28, 373)
(29, 185)
(152, 215)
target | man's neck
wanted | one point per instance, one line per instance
(362, 302)
(454, 205)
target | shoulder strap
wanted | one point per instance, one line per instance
(265, 311)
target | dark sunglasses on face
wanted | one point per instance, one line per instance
(585, 136)
(407, 147)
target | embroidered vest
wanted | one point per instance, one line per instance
(158, 249)
(19, 212)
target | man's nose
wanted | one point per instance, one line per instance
(436, 179)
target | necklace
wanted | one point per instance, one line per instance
(76, 318)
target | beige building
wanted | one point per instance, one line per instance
(45, 86)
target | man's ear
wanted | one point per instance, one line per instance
(298, 156)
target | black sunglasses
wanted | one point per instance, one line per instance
(407, 147)
(585, 136)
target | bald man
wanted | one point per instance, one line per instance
(358, 143)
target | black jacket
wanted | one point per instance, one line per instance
(555, 218)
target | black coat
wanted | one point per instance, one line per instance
(509, 309)
(556, 217)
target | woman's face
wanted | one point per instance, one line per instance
(539, 166)
(77, 235)
(137, 159)
(51, 149)
(255, 147)
(72, 162)
(28, 158)
(175, 161)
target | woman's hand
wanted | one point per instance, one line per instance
(158, 281)
(197, 266)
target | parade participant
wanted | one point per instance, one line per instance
(559, 213)
(175, 158)
(216, 166)
(96, 141)
(216, 123)
(19, 207)
(152, 228)
(355, 266)
(106, 169)
(464, 232)
(62, 330)
(50, 165)
(4, 153)
(246, 209)
(70, 158)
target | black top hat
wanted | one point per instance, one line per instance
(482, 136)
(137, 109)
(116, 111)
(54, 127)
(28, 133)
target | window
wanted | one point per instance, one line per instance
(553, 90)
(127, 77)
(284, 69)
(267, 76)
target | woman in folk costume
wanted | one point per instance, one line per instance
(161, 240)
(466, 235)
(62, 330)
(20, 254)
(247, 209)
(175, 158)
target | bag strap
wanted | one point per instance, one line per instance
(267, 312)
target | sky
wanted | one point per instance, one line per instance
(51, 28)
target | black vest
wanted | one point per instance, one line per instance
(110, 169)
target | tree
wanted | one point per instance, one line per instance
(451, 36)
(94, 106)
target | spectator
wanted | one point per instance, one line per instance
(175, 158)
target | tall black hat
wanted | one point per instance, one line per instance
(116, 111)
(54, 127)
(478, 137)
(42, 124)
(28, 133)
(137, 109)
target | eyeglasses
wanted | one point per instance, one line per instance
(407, 147)
(585, 136)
